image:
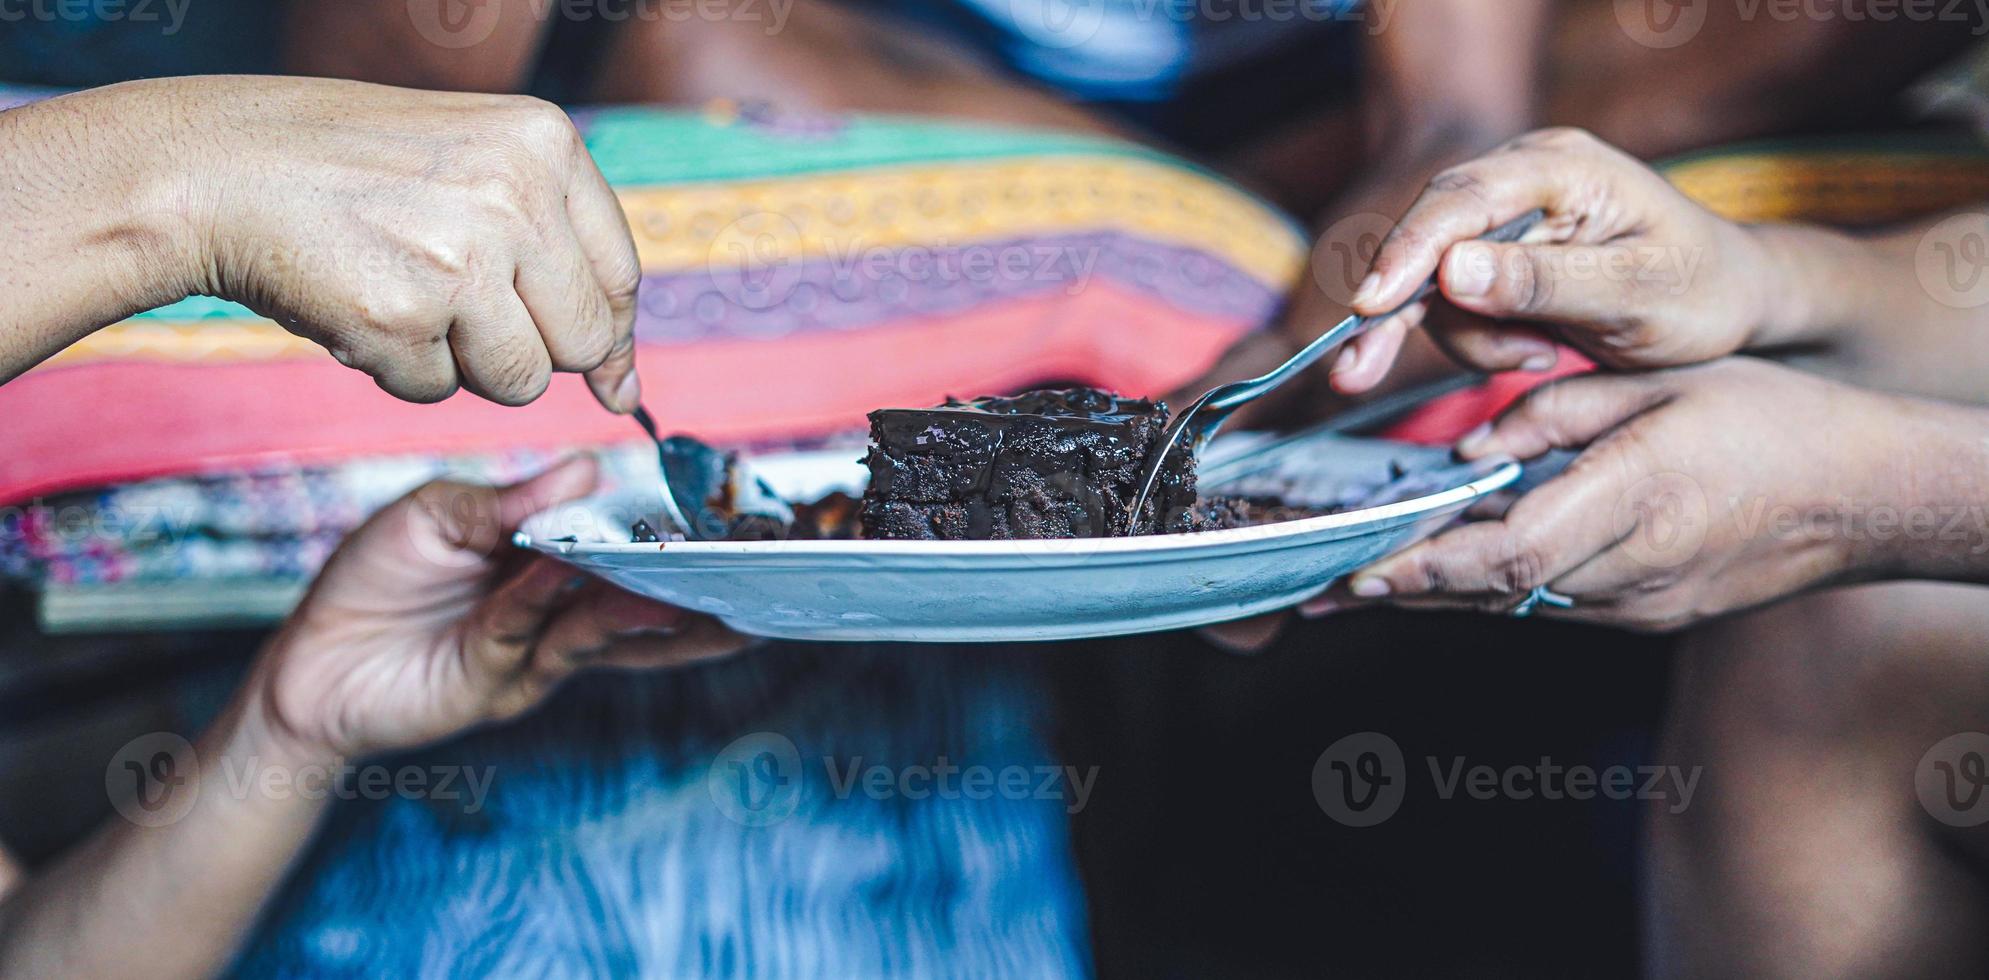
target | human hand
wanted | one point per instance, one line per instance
(1625, 268)
(426, 622)
(1699, 491)
(433, 240)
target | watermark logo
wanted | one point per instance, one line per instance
(454, 24)
(1662, 520)
(756, 780)
(1360, 780)
(465, 525)
(1952, 261)
(1952, 780)
(1661, 23)
(154, 779)
(1057, 24)
(1346, 253)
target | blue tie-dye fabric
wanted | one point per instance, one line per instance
(606, 846)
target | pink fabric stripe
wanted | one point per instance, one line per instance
(104, 422)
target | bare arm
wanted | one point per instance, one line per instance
(1906, 309)
(422, 625)
(172, 900)
(92, 221)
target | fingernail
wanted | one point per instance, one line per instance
(1346, 361)
(629, 393)
(1474, 440)
(1470, 271)
(1369, 586)
(1538, 363)
(1368, 287)
(1319, 608)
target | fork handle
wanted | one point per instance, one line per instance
(1354, 326)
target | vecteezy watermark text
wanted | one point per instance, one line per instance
(155, 779)
(458, 24)
(1362, 779)
(761, 779)
(170, 13)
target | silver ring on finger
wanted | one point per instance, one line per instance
(1542, 596)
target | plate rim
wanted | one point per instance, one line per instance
(1499, 476)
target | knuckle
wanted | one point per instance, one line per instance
(406, 312)
(543, 125)
(512, 380)
(1461, 179)
(450, 257)
(1529, 287)
(1566, 137)
(1521, 567)
(506, 194)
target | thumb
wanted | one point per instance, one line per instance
(456, 525)
(1563, 284)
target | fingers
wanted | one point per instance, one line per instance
(499, 636)
(1577, 285)
(459, 526)
(601, 229)
(569, 479)
(595, 618)
(1559, 170)
(568, 307)
(698, 639)
(1549, 532)
(1459, 205)
(500, 352)
(1247, 636)
(422, 371)
(1566, 414)
(1486, 345)
(1367, 359)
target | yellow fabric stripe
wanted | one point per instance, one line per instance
(835, 215)
(1831, 188)
(214, 339)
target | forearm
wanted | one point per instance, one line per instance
(92, 217)
(1451, 71)
(1929, 519)
(1867, 310)
(172, 900)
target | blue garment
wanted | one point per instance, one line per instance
(621, 836)
(67, 44)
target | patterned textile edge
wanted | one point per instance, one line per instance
(644, 146)
(313, 411)
(1844, 181)
(991, 212)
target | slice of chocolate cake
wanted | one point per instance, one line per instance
(1047, 464)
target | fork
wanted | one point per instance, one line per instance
(1207, 414)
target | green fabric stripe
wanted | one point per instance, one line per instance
(647, 147)
(198, 308)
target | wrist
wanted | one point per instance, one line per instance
(1809, 285)
(128, 197)
(1930, 492)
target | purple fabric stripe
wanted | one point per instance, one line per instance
(854, 288)
(11, 97)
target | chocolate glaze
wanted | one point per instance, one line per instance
(1047, 464)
